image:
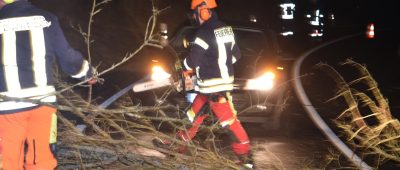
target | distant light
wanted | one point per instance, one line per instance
(316, 18)
(332, 17)
(253, 18)
(287, 33)
(280, 68)
(164, 30)
(371, 34)
(315, 22)
(371, 27)
(371, 31)
(164, 34)
(316, 33)
(287, 10)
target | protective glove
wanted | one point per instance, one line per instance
(178, 65)
(92, 81)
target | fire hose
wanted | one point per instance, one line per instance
(315, 116)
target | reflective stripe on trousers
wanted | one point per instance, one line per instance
(224, 111)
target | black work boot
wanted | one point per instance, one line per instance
(246, 161)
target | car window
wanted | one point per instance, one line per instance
(251, 42)
(253, 46)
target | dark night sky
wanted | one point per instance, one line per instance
(346, 11)
(119, 28)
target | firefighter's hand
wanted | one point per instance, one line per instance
(178, 65)
(95, 80)
(188, 73)
(92, 81)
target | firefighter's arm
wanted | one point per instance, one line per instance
(197, 53)
(69, 59)
(179, 66)
(236, 54)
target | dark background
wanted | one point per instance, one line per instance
(119, 28)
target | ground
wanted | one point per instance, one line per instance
(305, 149)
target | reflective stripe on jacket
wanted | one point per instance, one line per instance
(212, 56)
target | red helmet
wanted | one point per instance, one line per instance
(209, 3)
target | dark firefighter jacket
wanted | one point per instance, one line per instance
(31, 41)
(212, 56)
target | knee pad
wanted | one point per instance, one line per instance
(238, 133)
(240, 148)
(219, 98)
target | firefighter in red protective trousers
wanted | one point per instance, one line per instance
(31, 41)
(211, 58)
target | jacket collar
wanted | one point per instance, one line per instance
(9, 7)
(213, 19)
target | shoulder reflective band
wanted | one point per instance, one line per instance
(8, 1)
(53, 129)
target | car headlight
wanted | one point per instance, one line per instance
(159, 74)
(264, 82)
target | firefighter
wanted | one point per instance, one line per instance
(211, 59)
(31, 41)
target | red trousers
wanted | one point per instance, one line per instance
(222, 107)
(36, 129)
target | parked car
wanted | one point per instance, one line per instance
(261, 77)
